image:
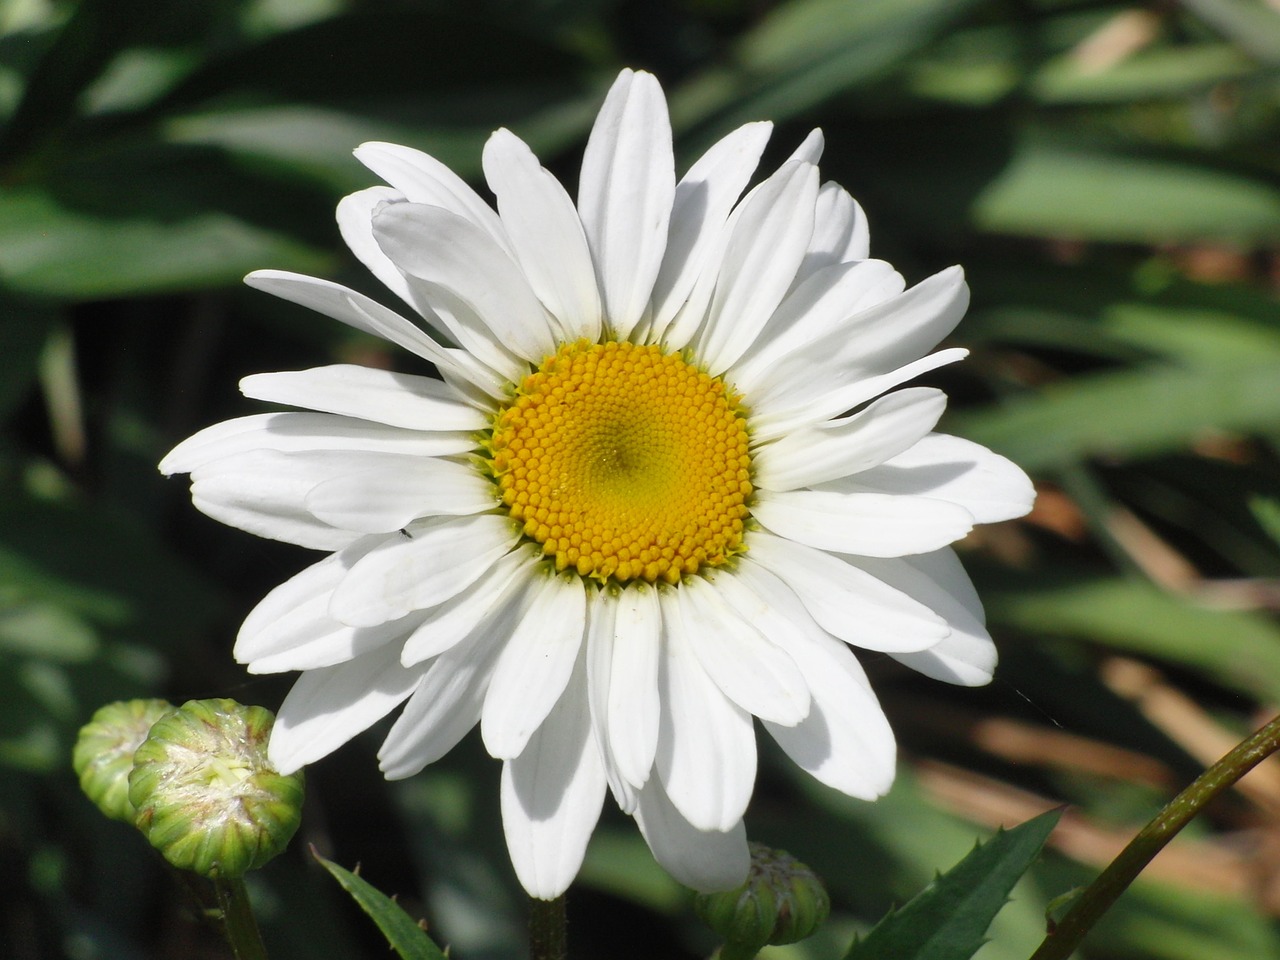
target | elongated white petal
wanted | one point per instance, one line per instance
(421, 178)
(355, 223)
(451, 252)
(625, 193)
(436, 560)
(840, 231)
(356, 310)
(771, 232)
(447, 703)
(866, 524)
(746, 666)
(801, 407)
(706, 754)
(958, 471)
(633, 686)
(328, 707)
(967, 656)
(845, 742)
(703, 198)
(546, 235)
(846, 601)
(298, 432)
(551, 795)
(810, 149)
(461, 617)
(706, 860)
(535, 665)
(839, 448)
(383, 499)
(383, 396)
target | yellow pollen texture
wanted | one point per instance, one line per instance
(624, 462)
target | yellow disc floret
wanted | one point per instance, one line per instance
(624, 462)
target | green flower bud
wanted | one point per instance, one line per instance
(103, 755)
(782, 901)
(206, 796)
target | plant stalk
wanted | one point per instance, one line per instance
(1098, 897)
(548, 933)
(238, 922)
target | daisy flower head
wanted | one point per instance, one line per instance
(634, 510)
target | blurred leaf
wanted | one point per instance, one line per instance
(1236, 648)
(1253, 26)
(47, 249)
(1094, 193)
(47, 631)
(1174, 71)
(24, 329)
(948, 920)
(404, 934)
(1127, 414)
(1267, 512)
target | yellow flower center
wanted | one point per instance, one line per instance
(626, 462)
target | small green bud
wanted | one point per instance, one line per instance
(782, 901)
(206, 796)
(103, 754)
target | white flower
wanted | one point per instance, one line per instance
(634, 512)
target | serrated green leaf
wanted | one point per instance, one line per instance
(948, 920)
(404, 935)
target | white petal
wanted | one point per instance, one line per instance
(846, 601)
(845, 742)
(706, 754)
(749, 669)
(551, 796)
(546, 235)
(840, 231)
(866, 524)
(820, 306)
(297, 432)
(771, 230)
(421, 178)
(810, 149)
(967, 656)
(706, 860)
(471, 610)
(387, 497)
(452, 253)
(804, 403)
(357, 310)
(703, 198)
(383, 396)
(602, 609)
(535, 665)
(958, 471)
(852, 444)
(355, 223)
(447, 703)
(438, 559)
(328, 707)
(625, 193)
(634, 704)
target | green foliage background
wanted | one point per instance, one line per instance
(1108, 174)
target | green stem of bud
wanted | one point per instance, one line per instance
(548, 933)
(238, 922)
(1115, 879)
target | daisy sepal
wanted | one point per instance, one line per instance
(552, 793)
(327, 707)
(706, 756)
(845, 601)
(535, 664)
(546, 235)
(706, 860)
(625, 194)
(849, 445)
(434, 560)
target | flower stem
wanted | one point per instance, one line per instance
(238, 922)
(548, 938)
(1098, 897)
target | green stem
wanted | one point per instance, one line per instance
(548, 939)
(1103, 892)
(238, 922)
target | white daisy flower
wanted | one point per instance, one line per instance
(634, 512)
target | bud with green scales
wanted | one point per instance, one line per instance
(103, 754)
(782, 901)
(206, 795)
